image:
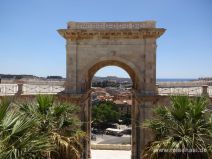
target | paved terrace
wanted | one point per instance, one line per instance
(110, 154)
(33, 89)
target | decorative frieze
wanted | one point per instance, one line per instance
(110, 25)
(111, 34)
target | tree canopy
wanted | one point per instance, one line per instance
(104, 114)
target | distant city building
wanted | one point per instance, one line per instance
(54, 77)
(121, 97)
(124, 106)
(10, 76)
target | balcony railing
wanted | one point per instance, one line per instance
(8, 89)
(190, 91)
(29, 89)
(33, 89)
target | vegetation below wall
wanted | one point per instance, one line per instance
(182, 130)
(40, 129)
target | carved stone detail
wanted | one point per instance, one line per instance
(111, 34)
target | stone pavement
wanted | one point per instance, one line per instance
(109, 139)
(110, 154)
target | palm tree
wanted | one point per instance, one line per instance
(40, 129)
(60, 121)
(182, 130)
(19, 136)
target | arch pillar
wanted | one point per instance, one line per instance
(141, 111)
(82, 100)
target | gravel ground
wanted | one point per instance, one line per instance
(110, 154)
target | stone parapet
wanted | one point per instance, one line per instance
(111, 25)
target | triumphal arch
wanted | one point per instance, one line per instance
(129, 45)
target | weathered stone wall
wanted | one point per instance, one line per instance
(131, 55)
(131, 46)
(137, 57)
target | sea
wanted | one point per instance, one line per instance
(175, 79)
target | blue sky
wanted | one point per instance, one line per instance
(29, 43)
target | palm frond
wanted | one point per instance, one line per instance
(185, 125)
(4, 106)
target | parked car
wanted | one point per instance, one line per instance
(127, 131)
(114, 132)
(97, 131)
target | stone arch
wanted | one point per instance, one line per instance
(129, 45)
(99, 65)
(129, 67)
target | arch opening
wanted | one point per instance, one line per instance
(129, 70)
(111, 94)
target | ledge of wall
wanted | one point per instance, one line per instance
(110, 147)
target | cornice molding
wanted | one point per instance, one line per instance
(73, 34)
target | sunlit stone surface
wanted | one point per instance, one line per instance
(110, 154)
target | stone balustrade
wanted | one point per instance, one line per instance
(33, 89)
(111, 147)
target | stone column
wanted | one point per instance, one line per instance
(156, 89)
(20, 87)
(205, 90)
(83, 101)
(143, 110)
(71, 67)
(150, 66)
(134, 114)
(86, 124)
